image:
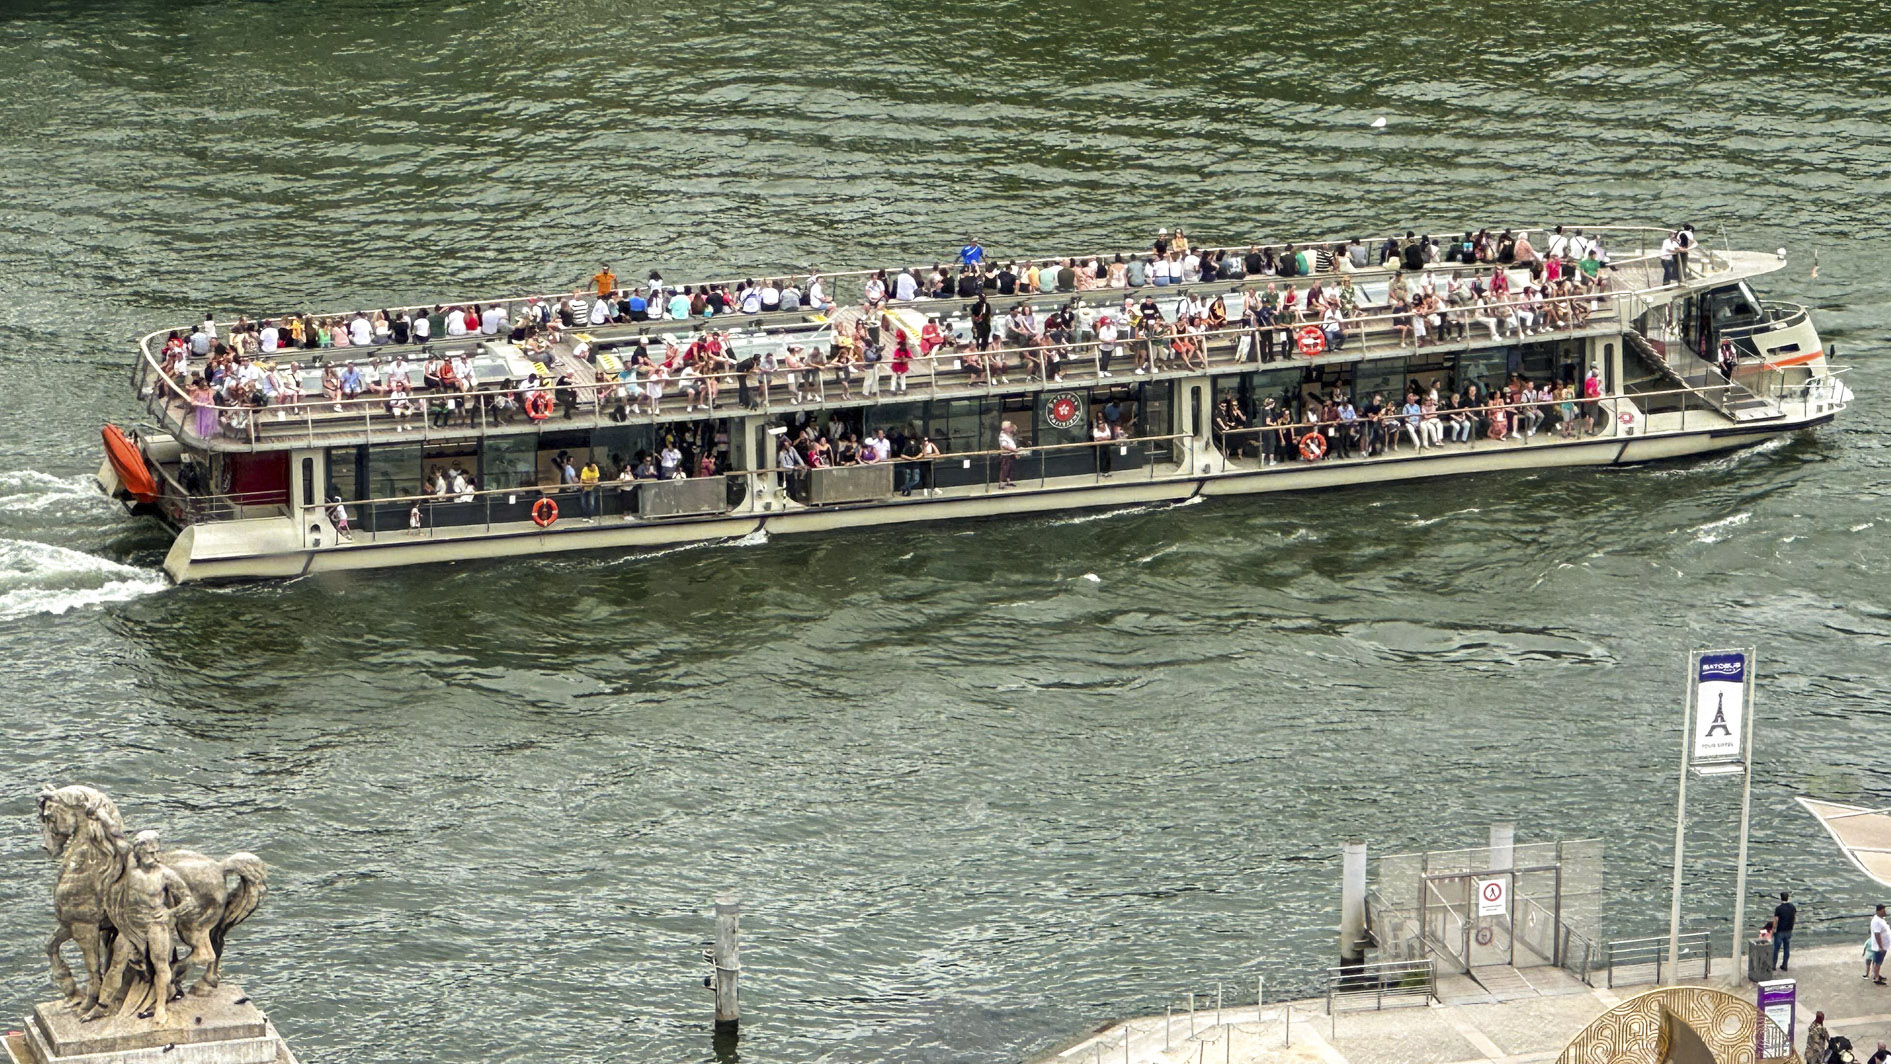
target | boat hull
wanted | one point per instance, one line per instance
(264, 549)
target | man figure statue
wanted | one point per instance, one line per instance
(144, 908)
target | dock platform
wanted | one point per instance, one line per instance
(1472, 1023)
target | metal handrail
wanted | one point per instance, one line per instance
(1635, 952)
(592, 394)
(1295, 427)
(1377, 980)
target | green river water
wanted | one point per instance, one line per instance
(975, 801)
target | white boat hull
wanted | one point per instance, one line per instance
(261, 548)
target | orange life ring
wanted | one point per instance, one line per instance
(1313, 446)
(544, 512)
(1311, 340)
(538, 405)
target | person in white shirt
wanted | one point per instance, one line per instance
(423, 328)
(1191, 268)
(269, 338)
(1559, 244)
(771, 297)
(1669, 246)
(360, 330)
(455, 323)
(494, 320)
(1159, 274)
(905, 286)
(817, 295)
(600, 313)
(1106, 345)
(752, 301)
(1877, 945)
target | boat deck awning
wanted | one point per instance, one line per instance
(1864, 835)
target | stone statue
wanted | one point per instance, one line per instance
(145, 906)
(129, 903)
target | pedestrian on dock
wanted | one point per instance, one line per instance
(1878, 942)
(1817, 1038)
(1785, 914)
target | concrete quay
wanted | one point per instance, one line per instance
(1470, 1025)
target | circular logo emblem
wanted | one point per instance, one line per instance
(1064, 410)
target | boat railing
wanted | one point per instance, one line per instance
(1779, 315)
(851, 283)
(945, 373)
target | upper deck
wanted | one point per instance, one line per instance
(578, 369)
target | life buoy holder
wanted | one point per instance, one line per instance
(1313, 446)
(544, 512)
(1625, 418)
(538, 405)
(1311, 340)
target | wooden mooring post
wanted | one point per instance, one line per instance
(728, 961)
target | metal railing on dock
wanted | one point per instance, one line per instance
(1633, 961)
(1402, 981)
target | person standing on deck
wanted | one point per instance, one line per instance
(1684, 242)
(588, 479)
(971, 254)
(604, 282)
(1008, 460)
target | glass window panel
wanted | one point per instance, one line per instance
(394, 471)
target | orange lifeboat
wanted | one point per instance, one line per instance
(128, 462)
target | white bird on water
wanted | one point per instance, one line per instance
(1379, 122)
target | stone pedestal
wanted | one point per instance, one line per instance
(223, 1027)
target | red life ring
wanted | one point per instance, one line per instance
(538, 405)
(1625, 418)
(544, 512)
(1311, 340)
(1313, 446)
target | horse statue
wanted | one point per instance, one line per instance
(81, 826)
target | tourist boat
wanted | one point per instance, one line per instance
(1684, 367)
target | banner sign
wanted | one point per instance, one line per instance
(1776, 1004)
(1719, 701)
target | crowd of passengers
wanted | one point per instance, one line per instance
(1428, 415)
(1439, 289)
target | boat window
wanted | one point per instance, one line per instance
(1379, 377)
(615, 445)
(961, 423)
(342, 475)
(506, 462)
(1487, 368)
(308, 482)
(394, 470)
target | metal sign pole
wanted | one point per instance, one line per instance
(1680, 831)
(1746, 805)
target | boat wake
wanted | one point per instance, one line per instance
(1715, 531)
(1127, 511)
(41, 578)
(29, 491)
